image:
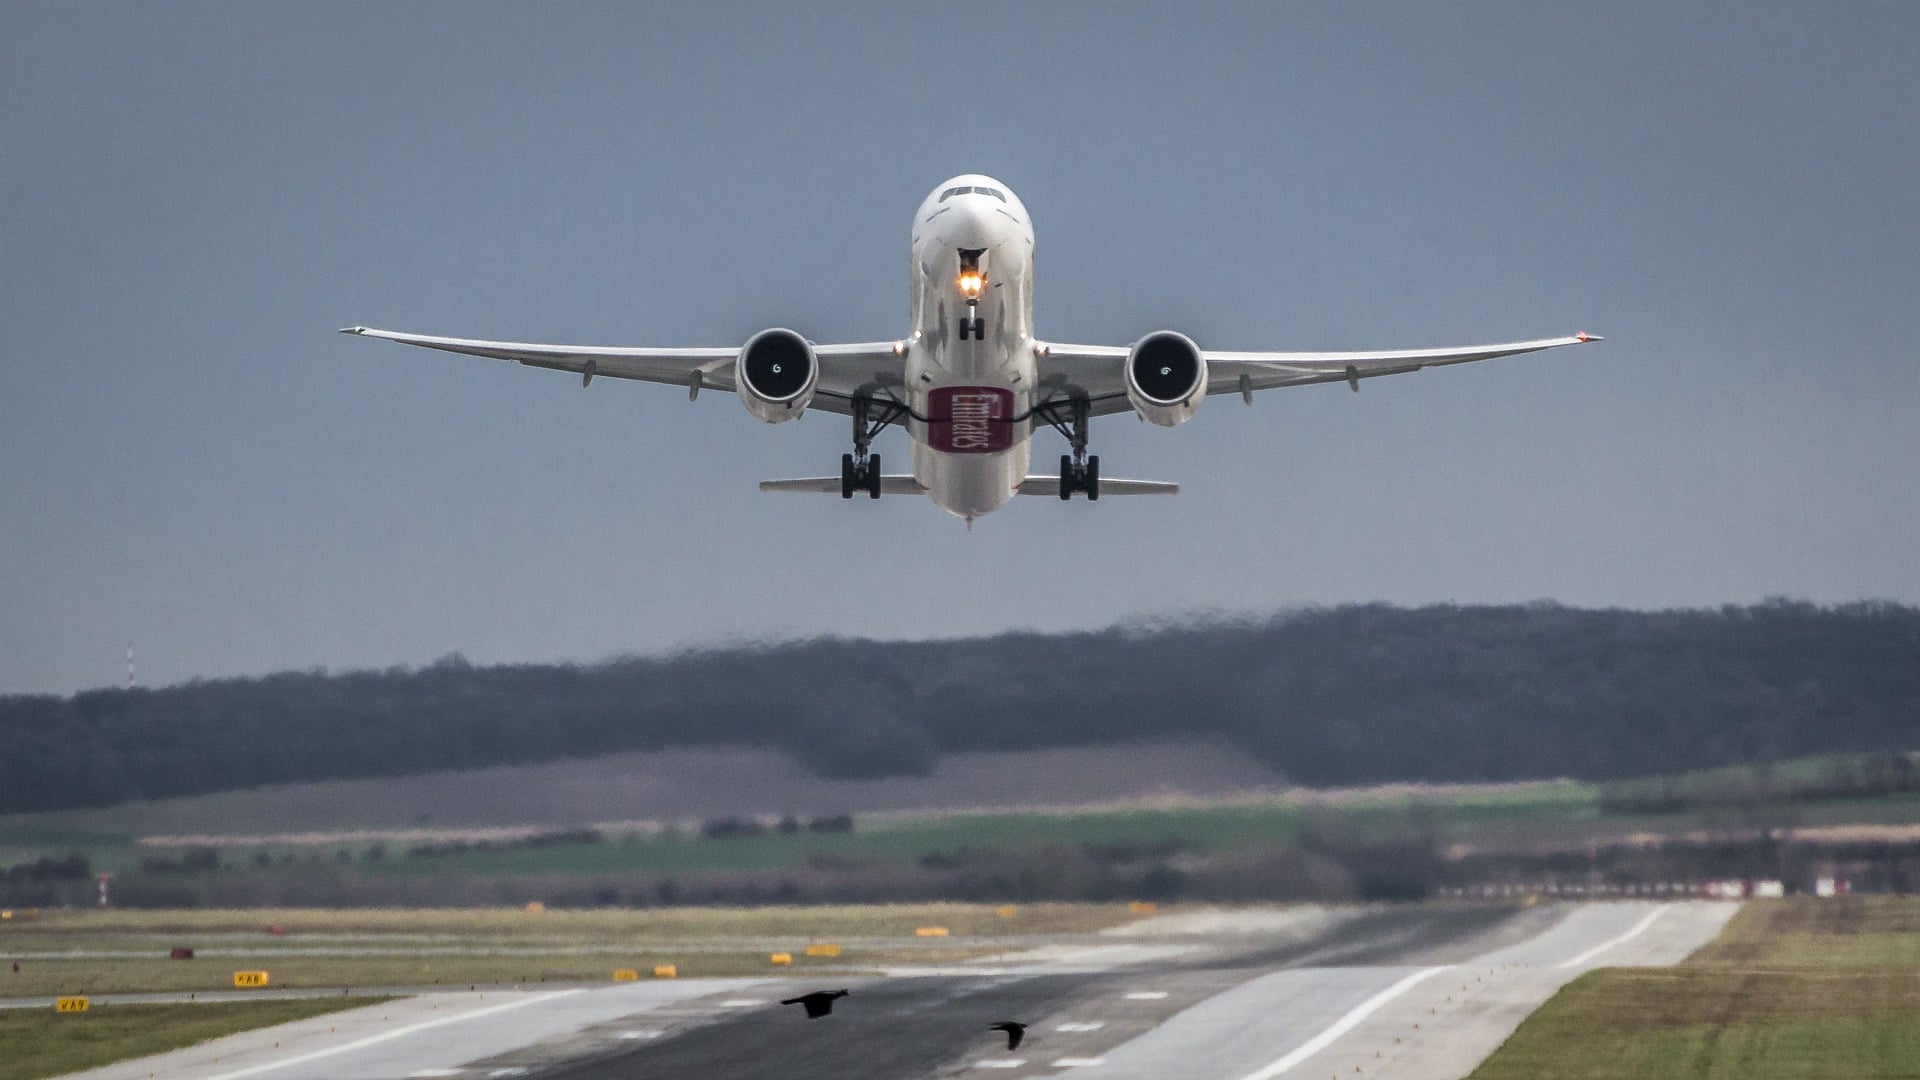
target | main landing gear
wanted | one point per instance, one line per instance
(860, 470)
(1079, 471)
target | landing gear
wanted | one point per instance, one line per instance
(860, 470)
(1079, 471)
(973, 326)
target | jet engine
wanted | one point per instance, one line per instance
(1166, 378)
(776, 374)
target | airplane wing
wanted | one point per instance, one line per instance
(845, 370)
(1097, 371)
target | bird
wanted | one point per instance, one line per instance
(1015, 1032)
(819, 1003)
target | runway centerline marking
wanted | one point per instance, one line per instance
(995, 1063)
(742, 1003)
(638, 1035)
(1345, 1024)
(1146, 995)
(1078, 1063)
(388, 1036)
(1638, 929)
(1088, 1025)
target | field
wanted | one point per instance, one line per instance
(41, 1043)
(1792, 988)
(126, 951)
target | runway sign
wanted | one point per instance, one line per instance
(1005, 911)
(249, 978)
(70, 1004)
(931, 931)
(782, 959)
(666, 971)
(625, 975)
(823, 950)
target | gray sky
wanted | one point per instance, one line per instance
(192, 198)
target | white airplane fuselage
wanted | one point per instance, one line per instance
(971, 392)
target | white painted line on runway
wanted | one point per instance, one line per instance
(742, 1003)
(998, 1063)
(1345, 1024)
(1638, 929)
(511, 1070)
(428, 1074)
(1089, 1025)
(1146, 995)
(638, 1035)
(1078, 1063)
(396, 1033)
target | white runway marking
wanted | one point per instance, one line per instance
(1345, 1024)
(742, 1003)
(1146, 995)
(1078, 1063)
(998, 1063)
(1089, 1025)
(511, 1070)
(425, 1074)
(638, 1035)
(396, 1033)
(1638, 929)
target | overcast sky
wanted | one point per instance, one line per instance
(192, 199)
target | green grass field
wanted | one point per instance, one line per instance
(1791, 989)
(36, 1043)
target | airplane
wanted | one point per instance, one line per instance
(970, 382)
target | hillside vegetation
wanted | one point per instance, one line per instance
(1330, 697)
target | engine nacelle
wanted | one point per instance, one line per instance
(776, 374)
(1166, 378)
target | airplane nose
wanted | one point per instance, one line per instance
(971, 226)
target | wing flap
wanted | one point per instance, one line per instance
(830, 485)
(1050, 485)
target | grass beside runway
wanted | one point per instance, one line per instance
(37, 1043)
(460, 947)
(1790, 989)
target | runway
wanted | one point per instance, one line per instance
(1418, 992)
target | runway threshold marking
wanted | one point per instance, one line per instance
(396, 1033)
(1346, 1023)
(1638, 929)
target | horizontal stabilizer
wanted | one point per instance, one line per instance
(830, 485)
(1050, 485)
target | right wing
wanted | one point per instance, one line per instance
(1097, 372)
(845, 370)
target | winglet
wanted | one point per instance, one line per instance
(1585, 337)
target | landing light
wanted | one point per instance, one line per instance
(971, 282)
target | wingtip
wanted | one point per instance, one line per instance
(1583, 337)
(353, 329)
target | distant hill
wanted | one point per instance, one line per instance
(1326, 697)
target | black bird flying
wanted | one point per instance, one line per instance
(1015, 1032)
(819, 1003)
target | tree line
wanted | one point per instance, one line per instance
(1342, 695)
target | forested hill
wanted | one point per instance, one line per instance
(1340, 696)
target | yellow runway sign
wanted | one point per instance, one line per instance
(625, 975)
(823, 950)
(249, 978)
(70, 1004)
(666, 971)
(781, 959)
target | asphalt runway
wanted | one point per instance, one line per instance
(1416, 992)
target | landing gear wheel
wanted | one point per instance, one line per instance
(1090, 480)
(1066, 478)
(847, 478)
(873, 476)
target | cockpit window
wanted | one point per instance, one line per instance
(952, 191)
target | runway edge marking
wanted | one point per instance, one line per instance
(1638, 929)
(1346, 1023)
(385, 1036)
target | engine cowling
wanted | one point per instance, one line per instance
(775, 374)
(1166, 378)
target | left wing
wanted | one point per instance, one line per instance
(1097, 371)
(845, 370)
